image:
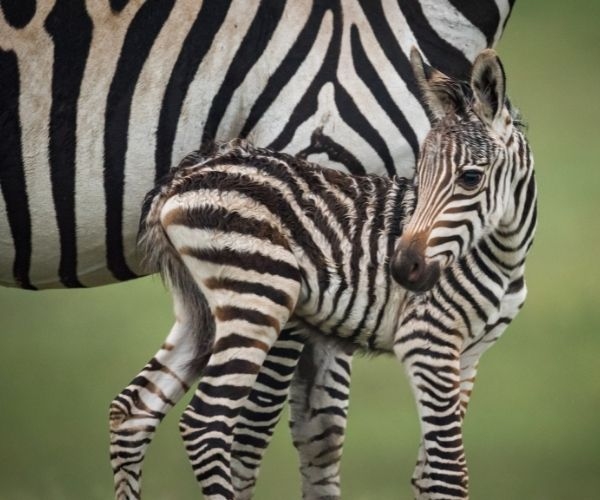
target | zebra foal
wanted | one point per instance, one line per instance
(252, 241)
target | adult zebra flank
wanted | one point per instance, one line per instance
(270, 241)
(99, 99)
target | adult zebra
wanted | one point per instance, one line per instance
(98, 100)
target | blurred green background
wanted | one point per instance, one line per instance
(532, 431)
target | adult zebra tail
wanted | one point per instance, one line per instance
(159, 256)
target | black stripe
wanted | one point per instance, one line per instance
(12, 173)
(237, 341)
(484, 268)
(343, 380)
(308, 105)
(245, 260)
(219, 218)
(531, 194)
(357, 252)
(18, 13)
(287, 69)
(429, 338)
(426, 377)
(215, 490)
(516, 285)
(250, 287)
(394, 225)
(139, 39)
(235, 365)
(389, 44)
(118, 5)
(228, 391)
(454, 306)
(71, 29)
(369, 75)
(196, 45)
(483, 14)
(323, 183)
(441, 54)
(443, 240)
(380, 194)
(322, 143)
(198, 448)
(527, 204)
(251, 49)
(233, 313)
(427, 353)
(487, 250)
(460, 290)
(273, 384)
(283, 370)
(354, 118)
(250, 440)
(445, 491)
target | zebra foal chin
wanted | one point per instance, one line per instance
(258, 246)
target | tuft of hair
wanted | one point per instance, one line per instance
(159, 256)
(516, 115)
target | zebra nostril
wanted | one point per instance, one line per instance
(414, 272)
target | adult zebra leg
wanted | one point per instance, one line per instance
(136, 412)
(319, 406)
(262, 410)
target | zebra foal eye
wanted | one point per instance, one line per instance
(470, 179)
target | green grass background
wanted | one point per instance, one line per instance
(533, 427)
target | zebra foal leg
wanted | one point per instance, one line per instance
(319, 406)
(246, 326)
(262, 411)
(468, 372)
(136, 412)
(435, 377)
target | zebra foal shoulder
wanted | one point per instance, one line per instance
(243, 227)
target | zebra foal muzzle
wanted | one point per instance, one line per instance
(410, 268)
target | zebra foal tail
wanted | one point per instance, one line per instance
(159, 256)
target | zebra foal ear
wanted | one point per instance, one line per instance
(488, 83)
(441, 94)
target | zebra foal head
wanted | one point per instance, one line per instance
(470, 165)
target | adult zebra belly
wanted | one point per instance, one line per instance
(98, 99)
